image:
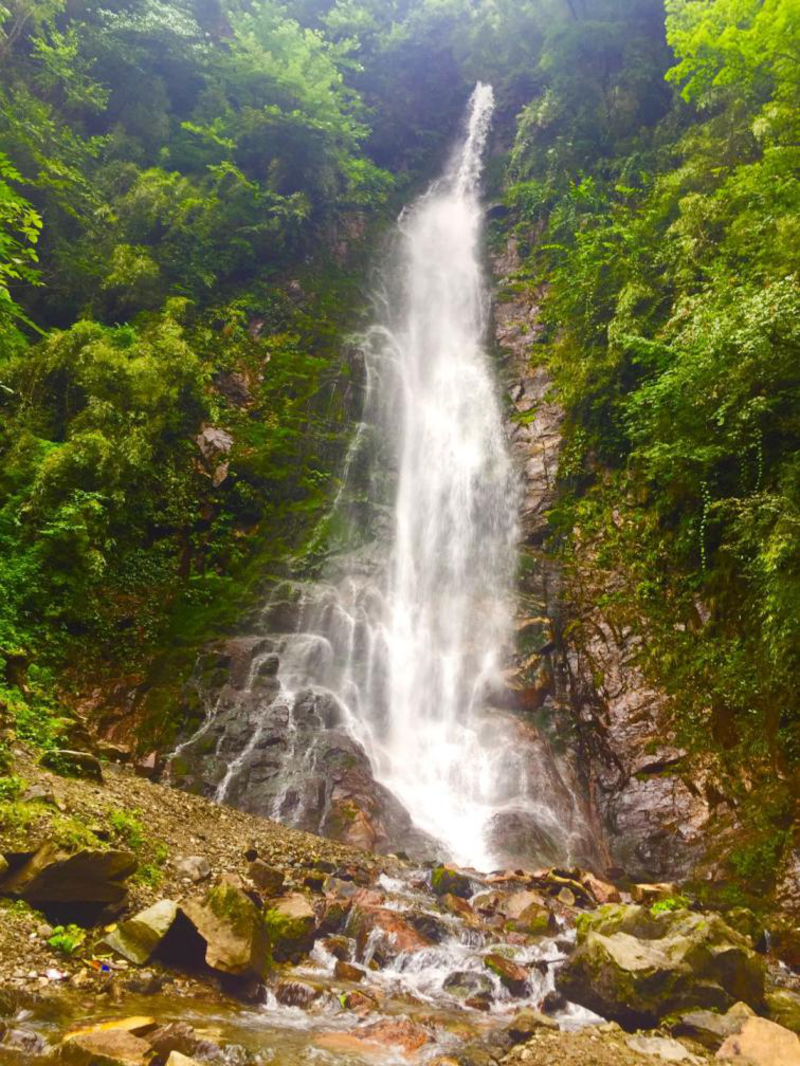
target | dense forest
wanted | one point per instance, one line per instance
(190, 195)
(399, 532)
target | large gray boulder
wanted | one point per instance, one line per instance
(636, 967)
(710, 1029)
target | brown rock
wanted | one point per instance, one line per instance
(338, 946)
(602, 891)
(397, 1032)
(653, 893)
(761, 1043)
(233, 930)
(267, 878)
(461, 908)
(178, 1037)
(89, 875)
(394, 934)
(296, 993)
(358, 1001)
(110, 1047)
(346, 971)
(511, 974)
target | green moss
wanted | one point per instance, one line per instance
(24, 825)
(671, 903)
(127, 828)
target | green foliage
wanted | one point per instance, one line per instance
(667, 238)
(127, 828)
(10, 787)
(748, 46)
(19, 231)
(671, 903)
(67, 939)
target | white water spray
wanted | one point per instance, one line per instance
(447, 618)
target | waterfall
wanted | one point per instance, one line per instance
(390, 664)
(447, 619)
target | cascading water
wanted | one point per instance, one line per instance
(388, 667)
(446, 615)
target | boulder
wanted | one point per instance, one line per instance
(358, 1001)
(39, 794)
(181, 1038)
(137, 939)
(341, 947)
(73, 764)
(290, 925)
(396, 1033)
(761, 1043)
(635, 967)
(512, 976)
(233, 929)
(105, 1047)
(602, 891)
(445, 880)
(178, 1059)
(195, 867)
(528, 914)
(661, 1047)
(428, 925)
(265, 877)
(291, 993)
(89, 875)
(461, 909)
(710, 1029)
(382, 933)
(653, 892)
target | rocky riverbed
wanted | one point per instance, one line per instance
(143, 926)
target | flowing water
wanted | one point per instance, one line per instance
(437, 631)
(400, 649)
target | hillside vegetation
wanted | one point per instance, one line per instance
(189, 194)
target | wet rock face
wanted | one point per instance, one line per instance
(652, 820)
(657, 817)
(281, 755)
